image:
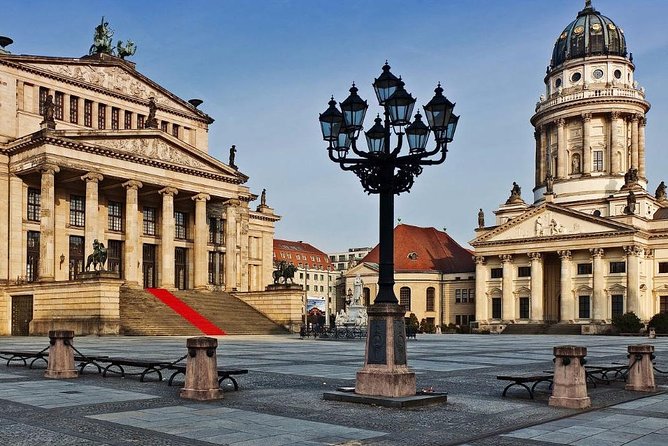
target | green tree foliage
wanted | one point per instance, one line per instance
(659, 322)
(627, 323)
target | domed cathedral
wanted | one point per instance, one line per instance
(593, 244)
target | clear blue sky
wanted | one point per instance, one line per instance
(265, 69)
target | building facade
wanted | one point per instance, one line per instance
(92, 150)
(434, 276)
(593, 241)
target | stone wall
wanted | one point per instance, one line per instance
(285, 307)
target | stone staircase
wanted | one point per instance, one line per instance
(525, 329)
(564, 329)
(142, 314)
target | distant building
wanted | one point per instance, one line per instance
(315, 272)
(343, 261)
(434, 276)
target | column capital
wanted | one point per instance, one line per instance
(586, 117)
(505, 258)
(133, 184)
(49, 168)
(597, 253)
(232, 202)
(479, 260)
(564, 255)
(534, 255)
(643, 121)
(169, 191)
(201, 197)
(560, 122)
(633, 250)
(634, 117)
(93, 177)
(615, 114)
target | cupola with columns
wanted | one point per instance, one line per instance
(590, 122)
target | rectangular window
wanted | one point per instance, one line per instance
(496, 273)
(180, 225)
(76, 264)
(115, 257)
(74, 109)
(127, 120)
(32, 251)
(617, 301)
(617, 267)
(59, 100)
(663, 304)
(496, 308)
(175, 130)
(88, 113)
(663, 267)
(101, 116)
(584, 268)
(458, 320)
(141, 121)
(465, 296)
(471, 295)
(163, 126)
(115, 118)
(524, 308)
(458, 296)
(405, 298)
(583, 307)
(216, 232)
(77, 211)
(598, 161)
(34, 204)
(115, 212)
(431, 298)
(149, 220)
(43, 93)
(523, 271)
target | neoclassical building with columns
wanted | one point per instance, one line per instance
(91, 149)
(592, 243)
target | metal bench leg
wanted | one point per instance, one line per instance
(517, 384)
(234, 381)
(533, 388)
(174, 375)
(120, 368)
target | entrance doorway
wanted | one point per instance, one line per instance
(552, 287)
(148, 265)
(181, 268)
(21, 315)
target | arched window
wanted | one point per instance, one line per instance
(431, 293)
(405, 298)
(367, 296)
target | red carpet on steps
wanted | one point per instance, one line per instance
(192, 316)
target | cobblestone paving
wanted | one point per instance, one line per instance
(280, 401)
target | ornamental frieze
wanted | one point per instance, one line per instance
(154, 149)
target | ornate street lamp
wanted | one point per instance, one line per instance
(385, 171)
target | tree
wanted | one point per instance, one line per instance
(627, 323)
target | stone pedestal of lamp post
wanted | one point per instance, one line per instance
(570, 380)
(61, 355)
(385, 372)
(641, 369)
(201, 370)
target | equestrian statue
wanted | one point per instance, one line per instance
(286, 271)
(98, 258)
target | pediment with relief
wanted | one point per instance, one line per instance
(550, 221)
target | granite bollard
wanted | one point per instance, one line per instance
(570, 380)
(61, 355)
(201, 370)
(641, 369)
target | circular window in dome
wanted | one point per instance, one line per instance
(575, 77)
(557, 83)
(611, 26)
(596, 27)
(598, 73)
(618, 74)
(579, 29)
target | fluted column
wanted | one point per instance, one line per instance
(537, 311)
(508, 298)
(481, 304)
(586, 143)
(16, 234)
(231, 211)
(641, 147)
(562, 161)
(92, 224)
(539, 159)
(598, 304)
(617, 144)
(543, 153)
(634, 141)
(4, 227)
(567, 299)
(200, 241)
(167, 238)
(132, 247)
(633, 254)
(47, 220)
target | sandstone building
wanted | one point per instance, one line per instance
(91, 149)
(593, 241)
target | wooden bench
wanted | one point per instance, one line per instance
(523, 379)
(223, 374)
(20, 356)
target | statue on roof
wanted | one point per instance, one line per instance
(233, 153)
(481, 218)
(660, 193)
(263, 198)
(151, 121)
(49, 111)
(515, 194)
(630, 208)
(123, 51)
(102, 43)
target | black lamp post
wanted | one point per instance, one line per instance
(385, 171)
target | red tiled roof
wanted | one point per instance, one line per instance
(301, 253)
(433, 250)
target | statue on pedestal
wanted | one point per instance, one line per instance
(660, 193)
(481, 218)
(98, 258)
(233, 153)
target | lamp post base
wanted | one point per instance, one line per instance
(385, 371)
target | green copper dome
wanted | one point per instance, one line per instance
(590, 34)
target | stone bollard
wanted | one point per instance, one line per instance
(641, 369)
(652, 333)
(201, 370)
(570, 380)
(61, 355)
